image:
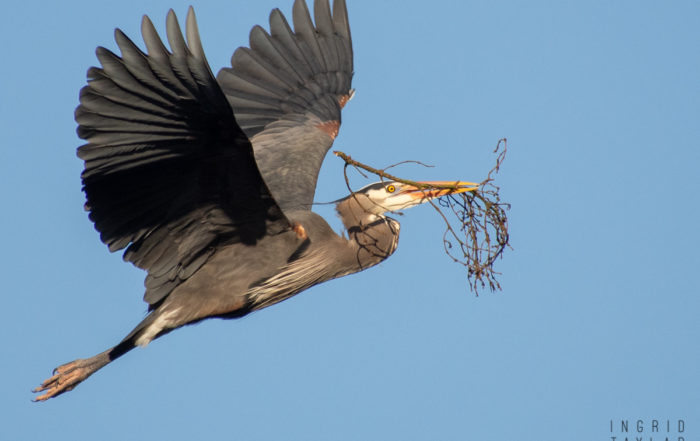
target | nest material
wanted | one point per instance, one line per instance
(476, 232)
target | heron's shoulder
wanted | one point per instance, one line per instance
(314, 224)
(305, 216)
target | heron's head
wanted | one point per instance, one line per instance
(381, 197)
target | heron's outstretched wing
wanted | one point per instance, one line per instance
(168, 172)
(287, 91)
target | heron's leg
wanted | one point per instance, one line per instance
(67, 376)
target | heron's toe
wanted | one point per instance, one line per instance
(65, 378)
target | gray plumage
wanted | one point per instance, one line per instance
(207, 183)
(283, 87)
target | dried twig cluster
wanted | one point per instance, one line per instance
(476, 232)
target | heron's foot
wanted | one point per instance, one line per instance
(65, 378)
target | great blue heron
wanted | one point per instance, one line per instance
(208, 182)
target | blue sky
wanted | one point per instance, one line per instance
(598, 317)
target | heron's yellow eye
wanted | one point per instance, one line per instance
(390, 188)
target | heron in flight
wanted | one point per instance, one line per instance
(208, 182)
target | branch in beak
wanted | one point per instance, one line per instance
(436, 189)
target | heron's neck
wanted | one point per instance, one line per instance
(374, 237)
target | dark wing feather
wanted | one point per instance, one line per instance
(168, 172)
(287, 91)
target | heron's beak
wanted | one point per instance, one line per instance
(431, 193)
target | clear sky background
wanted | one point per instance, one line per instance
(598, 317)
